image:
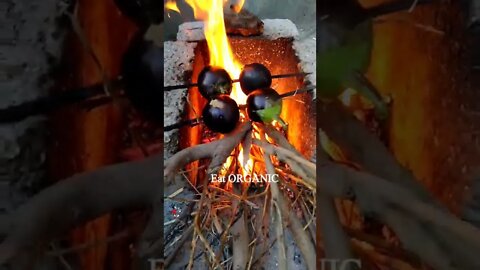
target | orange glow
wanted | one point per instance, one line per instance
(172, 5)
(221, 55)
(247, 167)
(238, 6)
(211, 12)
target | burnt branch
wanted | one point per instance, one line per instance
(441, 240)
(335, 240)
(363, 147)
(240, 248)
(277, 202)
(280, 139)
(298, 164)
(242, 22)
(218, 151)
(384, 190)
(401, 209)
(78, 199)
(303, 240)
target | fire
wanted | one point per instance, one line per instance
(172, 5)
(221, 55)
(238, 6)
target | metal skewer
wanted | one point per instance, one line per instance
(298, 91)
(46, 104)
(189, 122)
(195, 121)
(188, 85)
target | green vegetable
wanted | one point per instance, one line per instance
(343, 64)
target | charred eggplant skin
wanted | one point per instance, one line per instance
(221, 114)
(254, 76)
(263, 100)
(214, 81)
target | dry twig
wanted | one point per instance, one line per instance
(300, 236)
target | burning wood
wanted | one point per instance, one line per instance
(240, 21)
(237, 185)
(221, 150)
(244, 181)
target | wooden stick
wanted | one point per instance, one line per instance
(335, 240)
(278, 220)
(239, 232)
(218, 150)
(300, 236)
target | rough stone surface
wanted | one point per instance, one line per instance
(304, 43)
(272, 29)
(307, 54)
(178, 57)
(279, 28)
(30, 43)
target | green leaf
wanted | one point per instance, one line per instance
(269, 114)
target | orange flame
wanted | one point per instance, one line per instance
(172, 5)
(211, 12)
(221, 55)
(238, 6)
